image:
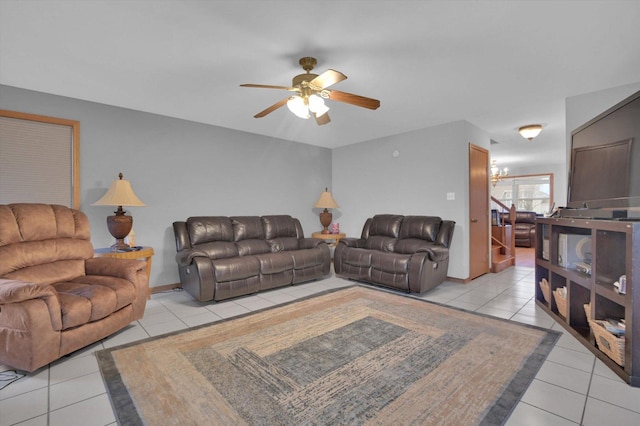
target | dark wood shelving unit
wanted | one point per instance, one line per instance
(615, 251)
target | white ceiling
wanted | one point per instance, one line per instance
(496, 64)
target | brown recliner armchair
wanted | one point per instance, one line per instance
(55, 298)
(524, 229)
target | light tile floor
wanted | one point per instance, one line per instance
(572, 387)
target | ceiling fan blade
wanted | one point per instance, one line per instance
(271, 108)
(328, 78)
(352, 99)
(266, 86)
(323, 119)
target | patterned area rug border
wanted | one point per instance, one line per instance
(288, 375)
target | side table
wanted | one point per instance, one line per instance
(144, 253)
(330, 239)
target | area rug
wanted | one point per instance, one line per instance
(351, 356)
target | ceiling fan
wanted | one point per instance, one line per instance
(311, 91)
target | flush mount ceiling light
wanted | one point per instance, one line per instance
(530, 131)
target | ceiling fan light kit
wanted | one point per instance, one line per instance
(312, 91)
(297, 106)
(302, 106)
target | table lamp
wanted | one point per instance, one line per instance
(119, 194)
(326, 202)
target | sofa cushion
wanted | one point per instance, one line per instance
(522, 216)
(424, 227)
(304, 259)
(380, 243)
(526, 217)
(249, 247)
(386, 225)
(390, 262)
(236, 268)
(82, 303)
(247, 228)
(218, 249)
(49, 273)
(357, 257)
(279, 226)
(274, 263)
(124, 290)
(412, 245)
(43, 243)
(35, 222)
(207, 229)
(284, 244)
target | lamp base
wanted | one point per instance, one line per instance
(325, 221)
(119, 245)
(119, 227)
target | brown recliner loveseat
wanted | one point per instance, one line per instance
(221, 257)
(409, 253)
(55, 297)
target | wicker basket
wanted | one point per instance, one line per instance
(587, 311)
(546, 290)
(561, 302)
(610, 345)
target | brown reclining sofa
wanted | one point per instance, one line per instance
(221, 257)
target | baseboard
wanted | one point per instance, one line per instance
(166, 287)
(460, 280)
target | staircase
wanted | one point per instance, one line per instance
(500, 260)
(503, 243)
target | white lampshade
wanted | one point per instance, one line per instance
(530, 131)
(120, 193)
(317, 106)
(297, 106)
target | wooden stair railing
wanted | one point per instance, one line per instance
(506, 255)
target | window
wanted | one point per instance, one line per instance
(39, 159)
(528, 193)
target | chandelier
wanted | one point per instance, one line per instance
(496, 173)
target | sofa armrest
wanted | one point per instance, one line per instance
(352, 242)
(436, 253)
(185, 257)
(113, 267)
(309, 243)
(13, 291)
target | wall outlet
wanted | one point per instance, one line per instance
(451, 196)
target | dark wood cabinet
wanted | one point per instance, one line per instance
(587, 257)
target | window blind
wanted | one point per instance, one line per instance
(36, 162)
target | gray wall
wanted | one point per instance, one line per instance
(431, 162)
(180, 169)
